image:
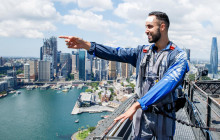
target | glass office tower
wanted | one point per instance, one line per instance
(82, 65)
(214, 57)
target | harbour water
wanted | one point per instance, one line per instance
(42, 114)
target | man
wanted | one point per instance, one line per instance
(160, 69)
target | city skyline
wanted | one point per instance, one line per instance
(110, 22)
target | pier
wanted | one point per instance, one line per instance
(92, 109)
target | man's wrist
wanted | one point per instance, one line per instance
(88, 45)
(136, 105)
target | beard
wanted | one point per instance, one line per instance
(155, 37)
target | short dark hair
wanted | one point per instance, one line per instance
(161, 16)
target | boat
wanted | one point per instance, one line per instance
(18, 92)
(65, 90)
(104, 116)
(76, 121)
(13, 91)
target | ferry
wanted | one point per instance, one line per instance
(76, 121)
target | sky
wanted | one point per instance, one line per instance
(25, 23)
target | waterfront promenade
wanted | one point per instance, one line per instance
(92, 109)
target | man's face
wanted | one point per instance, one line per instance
(152, 29)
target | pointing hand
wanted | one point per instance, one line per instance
(76, 43)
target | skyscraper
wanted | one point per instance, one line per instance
(112, 70)
(187, 54)
(1, 61)
(103, 69)
(82, 65)
(73, 64)
(118, 69)
(123, 70)
(49, 50)
(126, 70)
(33, 69)
(65, 61)
(214, 57)
(12, 73)
(27, 72)
(44, 71)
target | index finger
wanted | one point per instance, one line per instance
(65, 37)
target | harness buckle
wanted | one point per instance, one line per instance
(172, 48)
(144, 50)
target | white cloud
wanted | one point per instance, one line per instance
(193, 23)
(25, 28)
(27, 18)
(96, 5)
(87, 20)
(66, 1)
(92, 5)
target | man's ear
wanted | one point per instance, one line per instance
(162, 26)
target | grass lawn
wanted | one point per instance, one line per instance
(82, 135)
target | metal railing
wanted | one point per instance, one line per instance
(203, 110)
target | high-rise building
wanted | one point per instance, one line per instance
(11, 81)
(49, 51)
(44, 71)
(118, 69)
(126, 70)
(123, 70)
(187, 53)
(1, 61)
(214, 57)
(58, 56)
(12, 73)
(82, 65)
(103, 68)
(3, 86)
(27, 72)
(89, 65)
(65, 62)
(95, 69)
(41, 53)
(88, 69)
(73, 64)
(33, 69)
(112, 70)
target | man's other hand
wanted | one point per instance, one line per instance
(129, 113)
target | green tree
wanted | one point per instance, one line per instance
(94, 84)
(72, 76)
(111, 89)
(132, 85)
(89, 90)
(191, 77)
(122, 84)
(128, 80)
(100, 94)
(206, 78)
(19, 71)
(91, 129)
(82, 127)
(111, 98)
(87, 126)
(79, 129)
